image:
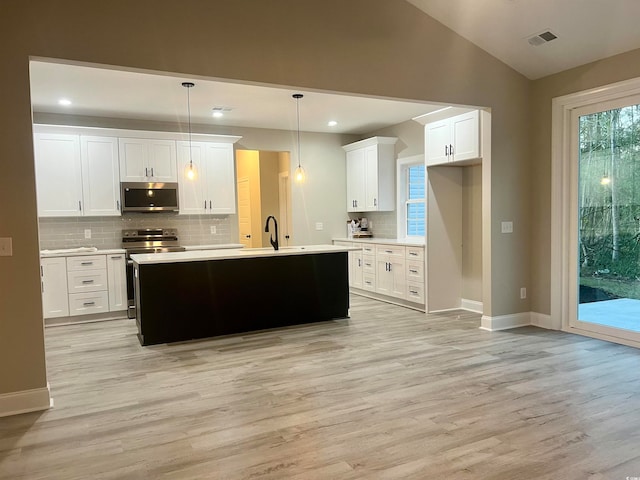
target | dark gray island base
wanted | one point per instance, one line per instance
(185, 300)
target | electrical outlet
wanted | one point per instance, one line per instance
(319, 226)
(213, 229)
(6, 247)
(87, 233)
(523, 293)
(507, 227)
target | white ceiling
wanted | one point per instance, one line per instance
(124, 94)
(587, 30)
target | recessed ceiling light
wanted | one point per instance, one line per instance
(332, 123)
(218, 114)
(64, 102)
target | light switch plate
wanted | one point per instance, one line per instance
(213, 229)
(87, 233)
(507, 227)
(319, 226)
(6, 247)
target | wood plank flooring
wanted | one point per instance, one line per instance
(389, 394)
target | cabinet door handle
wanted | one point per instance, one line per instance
(446, 150)
(79, 205)
(205, 204)
(86, 263)
(375, 202)
(450, 149)
(152, 171)
(41, 271)
(87, 281)
(210, 207)
(389, 266)
(247, 236)
(359, 262)
(118, 205)
(146, 172)
(88, 304)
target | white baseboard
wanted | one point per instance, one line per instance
(25, 401)
(542, 320)
(505, 322)
(471, 305)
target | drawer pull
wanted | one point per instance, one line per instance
(88, 304)
(413, 292)
(388, 251)
(413, 254)
(87, 281)
(116, 257)
(413, 271)
(86, 263)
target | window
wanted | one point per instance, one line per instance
(411, 198)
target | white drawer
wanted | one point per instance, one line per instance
(87, 280)
(368, 282)
(369, 264)
(415, 292)
(368, 249)
(86, 262)
(415, 271)
(391, 250)
(415, 253)
(90, 302)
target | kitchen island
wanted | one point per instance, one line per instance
(197, 294)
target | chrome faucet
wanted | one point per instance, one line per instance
(273, 242)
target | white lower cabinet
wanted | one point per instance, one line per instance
(117, 282)
(55, 296)
(83, 284)
(388, 270)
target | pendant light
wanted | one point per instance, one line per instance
(190, 169)
(299, 175)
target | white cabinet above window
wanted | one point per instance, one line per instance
(370, 175)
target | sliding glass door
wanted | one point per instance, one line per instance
(606, 218)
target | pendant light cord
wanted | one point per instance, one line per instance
(298, 117)
(188, 86)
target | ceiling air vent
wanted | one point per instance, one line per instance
(541, 38)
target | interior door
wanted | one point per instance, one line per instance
(244, 212)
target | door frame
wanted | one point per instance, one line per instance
(564, 204)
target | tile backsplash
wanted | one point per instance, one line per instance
(106, 232)
(384, 223)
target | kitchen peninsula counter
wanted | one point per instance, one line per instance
(197, 294)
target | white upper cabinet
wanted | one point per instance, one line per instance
(370, 175)
(147, 160)
(58, 175)
(453, 140)
(76, 175)
(100, 175)
(213, 190)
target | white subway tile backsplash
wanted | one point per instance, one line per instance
(106, 232)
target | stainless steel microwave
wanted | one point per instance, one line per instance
(149, 197)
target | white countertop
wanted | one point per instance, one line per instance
(80, 251)
(383, 241)
(229, 254)
(212, 246)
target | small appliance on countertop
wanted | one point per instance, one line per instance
(358, 228)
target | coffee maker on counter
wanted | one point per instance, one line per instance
(358, 228)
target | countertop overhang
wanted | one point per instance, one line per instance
(230, 254)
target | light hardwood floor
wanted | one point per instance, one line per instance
(389, 394)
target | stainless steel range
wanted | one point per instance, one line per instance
(146, 240)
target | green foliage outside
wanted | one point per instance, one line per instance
(609, 201)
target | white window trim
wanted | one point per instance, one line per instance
(563, 203)
(401, 194)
